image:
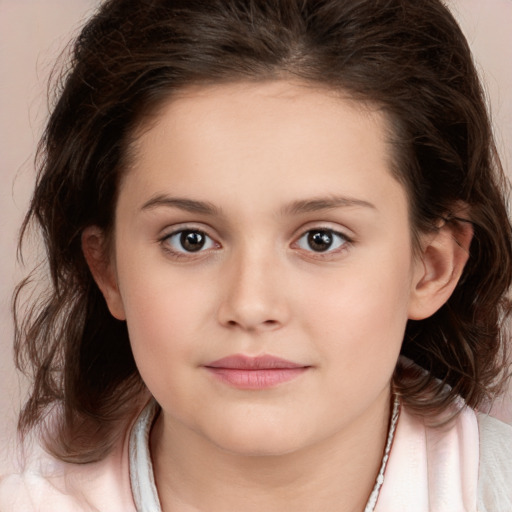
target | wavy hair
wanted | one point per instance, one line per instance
(409, 57)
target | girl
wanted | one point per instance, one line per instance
(279, 257)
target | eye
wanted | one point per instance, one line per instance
(188, 241)
(321, 240)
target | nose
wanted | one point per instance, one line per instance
(253, 293)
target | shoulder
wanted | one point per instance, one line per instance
(432, 467)
(463, 464)
(495, 468)
(48, 485)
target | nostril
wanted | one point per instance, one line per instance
(266, 324)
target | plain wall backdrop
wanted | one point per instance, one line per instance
(32, 35)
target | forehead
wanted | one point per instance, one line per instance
(259, 104)
(296, 138)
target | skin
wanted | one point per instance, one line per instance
(269, 164)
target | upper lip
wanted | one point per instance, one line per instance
(263, 362)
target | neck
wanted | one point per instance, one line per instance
(336, 474)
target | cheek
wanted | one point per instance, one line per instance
(164, 329)
(166, 317)
(362, 316)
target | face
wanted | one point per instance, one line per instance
(263, 263)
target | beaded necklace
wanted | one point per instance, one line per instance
(372, 500)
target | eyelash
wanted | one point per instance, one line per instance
(343, 242)
(166, 240)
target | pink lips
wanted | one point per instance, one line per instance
(260, 372)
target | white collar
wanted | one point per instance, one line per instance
(142, 478)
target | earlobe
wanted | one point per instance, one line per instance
(102, 269)
(439, 267)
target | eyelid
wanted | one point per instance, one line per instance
(333, 227)
(172, 229)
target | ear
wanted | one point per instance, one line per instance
(102, 268)
(439, 267)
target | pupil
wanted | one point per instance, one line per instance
(192, 241)
(320, 241)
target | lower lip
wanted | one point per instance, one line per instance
(256, 379)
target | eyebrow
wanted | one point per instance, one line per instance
(324, 203)
(294, 208)
(189, 205)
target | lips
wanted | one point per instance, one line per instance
(245, 372)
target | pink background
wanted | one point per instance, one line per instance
(33, 33)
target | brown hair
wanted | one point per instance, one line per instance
(406, 56)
